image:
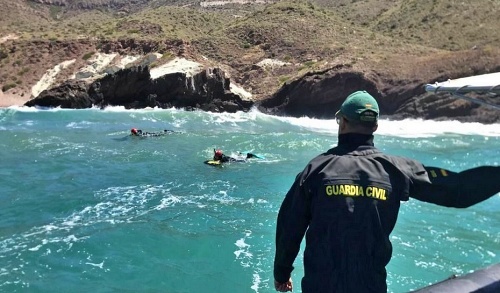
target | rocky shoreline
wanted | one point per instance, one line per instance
(290, 58)
(316, 94)
(133, 88)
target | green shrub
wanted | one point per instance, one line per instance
(8, 86)
(3, 54)
(23, 71)
(55, 11)
(283, 79)
(309, 63)
(88, 55)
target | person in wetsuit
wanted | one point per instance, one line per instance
(220, 156)
(139, 132)
(346, 203)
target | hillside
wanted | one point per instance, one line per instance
(444, 24)
(399, 40)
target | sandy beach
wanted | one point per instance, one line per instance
(7, 99)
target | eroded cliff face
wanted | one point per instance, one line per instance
(321, 94)
(32, 66)
(208, 90)
(109, 73)
(318, 94)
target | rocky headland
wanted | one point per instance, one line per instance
(266, 72)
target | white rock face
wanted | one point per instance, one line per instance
(96, 66)
(49, 77)
(177, 65)
(272, 63)
(102, 64)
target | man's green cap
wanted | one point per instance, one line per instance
(360, 106)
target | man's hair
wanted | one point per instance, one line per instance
(366, 127)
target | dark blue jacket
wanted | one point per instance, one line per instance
(348, 200)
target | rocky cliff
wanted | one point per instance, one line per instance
(316, 94)
(320, 95)
(288, 58)
(207, 90)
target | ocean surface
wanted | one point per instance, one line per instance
(84, 207)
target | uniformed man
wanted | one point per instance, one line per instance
(348, 199)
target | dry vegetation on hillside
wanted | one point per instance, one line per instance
(398, 38)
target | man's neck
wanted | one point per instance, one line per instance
(355, 139)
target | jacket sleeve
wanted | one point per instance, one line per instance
(455, 189)
(293, 220)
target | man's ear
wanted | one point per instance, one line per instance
(375, 127)
(343, 123)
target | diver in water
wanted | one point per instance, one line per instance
(219, 156)
(139, 132)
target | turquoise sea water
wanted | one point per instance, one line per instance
(87, 208)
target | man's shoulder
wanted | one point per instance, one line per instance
(397, 161)
(398, 158)
(405, 164)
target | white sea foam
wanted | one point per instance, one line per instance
(430, 128)
(404, 128)
(81, 124)
(408, 128)
(99, 265)
(26, 109)
(243, 253)
(256, 282)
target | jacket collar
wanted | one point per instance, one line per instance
(350, 140)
